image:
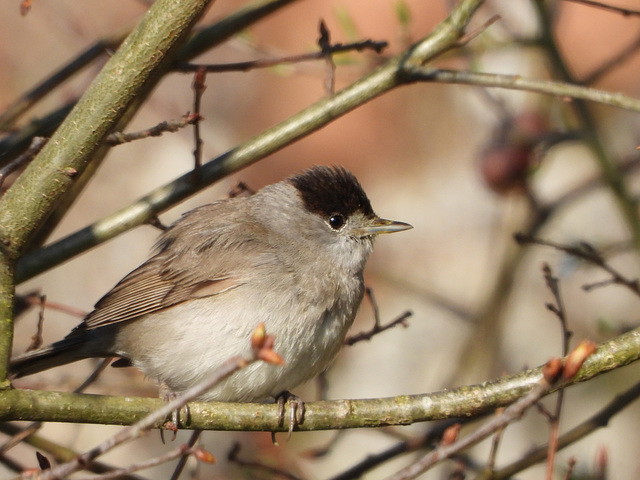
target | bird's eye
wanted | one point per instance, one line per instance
(336, 221)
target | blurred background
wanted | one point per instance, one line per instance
(467, 167)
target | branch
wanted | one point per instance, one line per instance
(464, 402)
(271, 62)
(591, 3)
(515, 82)
(261, 344)
(143, 57)
(599, 420)
(57, 170)
(298, 126)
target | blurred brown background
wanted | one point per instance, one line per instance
(417, 153)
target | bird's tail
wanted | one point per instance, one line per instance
(58, 353)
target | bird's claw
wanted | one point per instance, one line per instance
(296, 412)
(173, 423)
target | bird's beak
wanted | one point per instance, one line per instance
(379, 226)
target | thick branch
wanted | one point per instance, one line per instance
(467, 401)
(142, 57)
(300, 125)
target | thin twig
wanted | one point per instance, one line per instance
(118, 138)
(495, 444)
(195, 436)
(591, 3)
(571, 463)
(36, 145)
(33, 298)
(376, 329)
(426, 440)
(585, 252)
(553, 371)
(567, 91)
(599, 420)
(377, 47)
(324, 42)
(613, 62)
(466, 38)
(199, 86)
(49, 84)
(36, 339)
(183, 451)
(261, 350)
(559, 310)
(510, 414)
(232, 456)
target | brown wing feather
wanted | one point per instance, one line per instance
(188, 265)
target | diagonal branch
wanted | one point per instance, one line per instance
(380, 81)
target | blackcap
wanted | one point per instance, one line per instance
(292, 256)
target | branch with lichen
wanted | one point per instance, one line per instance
(462, 402)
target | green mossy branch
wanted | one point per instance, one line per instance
(466, 401)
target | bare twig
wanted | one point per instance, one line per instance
(495, 443)
(33, 298)
(49, 84)
(195, 436)
(377, 47)
(261, 347)
(571, 463)
(376, 329)
(36, 145)
(553, 371)
(567, 91)
(232, 456)
(324, 42)
(586, 252)
(466, 38)
(612, 62)
(183, 451)
(36, 339)
(604, 6)
(559, 310)
(118, 138)
(509, 415)
(199, 86)
(599, 420)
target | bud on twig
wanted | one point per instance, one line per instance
(577, 357)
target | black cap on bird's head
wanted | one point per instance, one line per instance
(326, 190)
(331, 191)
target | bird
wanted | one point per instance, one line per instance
(290, 256)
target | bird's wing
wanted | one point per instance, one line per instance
(192, 263)
(147, 290)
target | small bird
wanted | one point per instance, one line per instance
(290, 256)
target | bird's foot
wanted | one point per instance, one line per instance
(296, 412)
(173, 422)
